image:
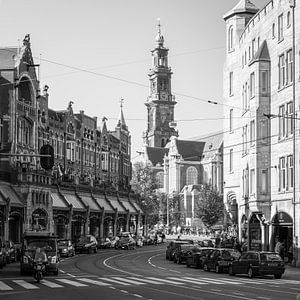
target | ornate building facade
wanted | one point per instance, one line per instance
(87, 190)
(261, 145)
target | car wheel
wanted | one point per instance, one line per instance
(250, 273)
(205, 267)
(55, 272)
(218, 269)
(277, 276)
(188, 265)
(95, 250)
(230, 271)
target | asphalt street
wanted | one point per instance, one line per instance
(142, 273)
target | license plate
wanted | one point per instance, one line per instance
(272, 264)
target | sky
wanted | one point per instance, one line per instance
(95, 52)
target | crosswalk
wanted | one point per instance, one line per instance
(55, 283)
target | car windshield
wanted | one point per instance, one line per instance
(63, 243)
(84, 239)
(270, 256)
(47, 245)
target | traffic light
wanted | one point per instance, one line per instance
(47, 162)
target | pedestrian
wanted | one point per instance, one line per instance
(163, 236)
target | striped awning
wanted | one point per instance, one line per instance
(104, 203)
(9, 193)
(128, 205)
(58, 201)
(88, 201)
(115, 203)
(72, 199)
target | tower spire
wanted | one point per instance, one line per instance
(159, 37)
(121, 120)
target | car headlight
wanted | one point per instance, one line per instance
(64, 250)
(53, 259)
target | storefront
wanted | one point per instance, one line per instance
(255, 233)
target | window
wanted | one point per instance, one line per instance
(289, 119)
(191, 176)
(246, 182)
(230, 120)
(246, 96)
(258, 42)
(1, 131)
(263, 131)
(253, 48)
(273, 30)
(281, 71)
(289, 66)
(245, 139)
(249, 53)
(280, 28)
(252, 85)
(282, 173)
(252, 181)
(264, 181)
(264, 82)
(230, 83)
(231, 160)
(281, 122)
(288, 19)
(290, 173)
(160, 179)
(252, 132)
(230, 39)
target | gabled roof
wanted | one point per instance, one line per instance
(244, 6)
(262, 53)
(156, 155)
(190, 150)
(212, 145)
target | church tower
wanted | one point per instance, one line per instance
(160, 104)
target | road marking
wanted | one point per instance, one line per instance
(70, 282)
(71, 275)
(264, 298)
(164, 280)
(114, 281)
(238, 294)
(219, 280)
(129, 281)
(187, 280)
(136, 295)
(215, 290)
(4, 287)
(93, 281)
(147, 281)
(123, 291)
(51, 284)
(25, 285)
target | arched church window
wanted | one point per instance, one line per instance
(191, 176)
(160, 179)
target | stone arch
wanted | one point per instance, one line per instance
(191, 176)
(39, 219)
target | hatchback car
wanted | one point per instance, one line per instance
(125, 243)
(66, 248)
(197, 256)
(255, 263)
(182, 252)
(87, 244)
(173, 245)
(219, 259)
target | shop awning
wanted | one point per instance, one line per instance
(103, 203)
(8, 192)
(58, 201)
(115, 203)
(137, 207)
(88, 201)
(72, 199)
(128, 205)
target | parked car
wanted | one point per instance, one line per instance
(219, 259)
(2, 255)
(125, 243)
(113, 241)
(44, 240)
(104, 243)
(86, 243)
(172, 246)
(182, 252)
(197, 256)
(255, 263)
(206, 243)
(11, 252)
(66, 248)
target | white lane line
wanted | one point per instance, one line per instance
(70, 282)
(71, 275)
(238, 294)
(138, 296)
(187, 280)
(264, 298)
(123, 291)
(4, 287)
(147, 281)
(96, 282)
(243, 281)
(219, 280)
(215, 290)
(205, 281)
(62, 271)
(165, 281)
(129, 281)
(25, 285)
(113, 281)
(51, 284)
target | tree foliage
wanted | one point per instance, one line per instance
(144, 184)
(210, 207)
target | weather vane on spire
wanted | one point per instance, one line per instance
(121, 102)
(159, 26)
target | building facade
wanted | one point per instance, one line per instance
(87, 190)
(261, 144)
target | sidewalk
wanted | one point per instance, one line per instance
(292, 273)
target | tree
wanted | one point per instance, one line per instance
(210, 207)
(144, 184)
